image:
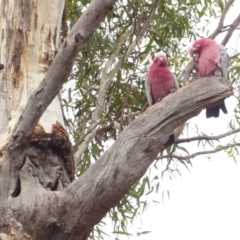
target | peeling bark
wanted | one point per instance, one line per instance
(29, 41)
(45, 93)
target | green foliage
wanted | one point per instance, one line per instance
(173, 26)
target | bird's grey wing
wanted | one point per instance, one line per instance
(224, 61)
(176, 82)
(148, 92)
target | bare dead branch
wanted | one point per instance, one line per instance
(234, 25)
(90, 130)
(183, 140)
(222, 18)
(122, 110)
(133, 107)
(108, 75)
(191, 156)
(185, 74)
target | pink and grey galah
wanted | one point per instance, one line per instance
(210, 59)
(159, 83)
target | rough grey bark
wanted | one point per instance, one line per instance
(71, 213)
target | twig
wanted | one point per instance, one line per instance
(107, 77)
(133, 107)
(92, 128)
(183, 140)
(152, 31)
(198, 153)
(124, 104)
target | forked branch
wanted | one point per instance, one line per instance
(221, 21)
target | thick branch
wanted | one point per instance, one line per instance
(232, 28)
(50, 86)
(133, 152)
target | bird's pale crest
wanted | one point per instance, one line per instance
(191, 49)
(161, 54)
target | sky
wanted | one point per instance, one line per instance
(204, 202)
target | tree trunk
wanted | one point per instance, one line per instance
(29, 42)
(37, 198)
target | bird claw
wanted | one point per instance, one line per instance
(159, 99)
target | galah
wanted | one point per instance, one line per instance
(159, 83)
(211, 59)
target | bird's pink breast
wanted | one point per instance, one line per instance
(161, 81)
(209, 57)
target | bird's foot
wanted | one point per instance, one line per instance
(173, 90)
(159, 99)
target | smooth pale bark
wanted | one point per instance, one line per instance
(72, 213)
(30, 39)
(29, 42)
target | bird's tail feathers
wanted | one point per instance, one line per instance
(174, 136)
(214, 111)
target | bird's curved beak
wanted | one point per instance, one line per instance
(192, 51)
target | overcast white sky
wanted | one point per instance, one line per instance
(205, 201)
(204, 204)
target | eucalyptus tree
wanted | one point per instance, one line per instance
(57, 179)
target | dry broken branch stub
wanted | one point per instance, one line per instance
(58, 141)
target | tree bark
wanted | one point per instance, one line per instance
(29, 42)
(72, 213)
